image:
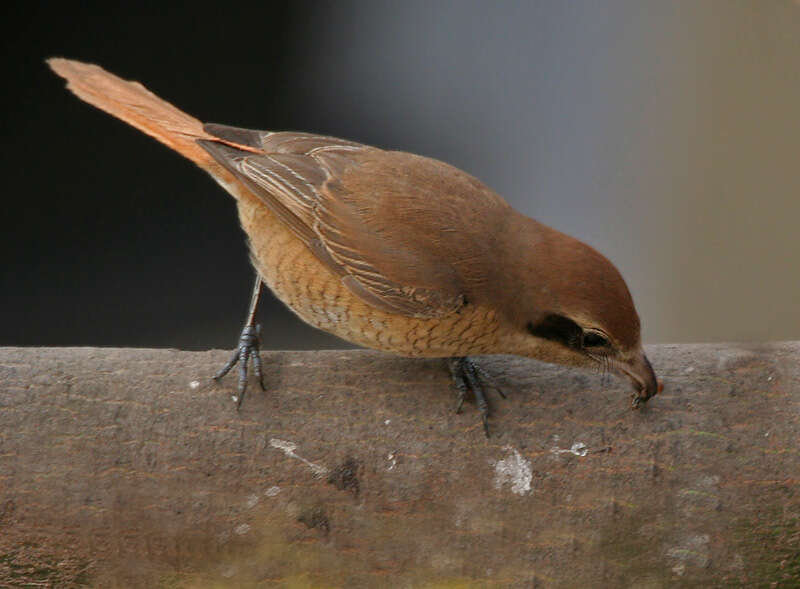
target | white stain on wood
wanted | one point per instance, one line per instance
(694, 550)
(578, 449)
(513, 470)
(289, 448)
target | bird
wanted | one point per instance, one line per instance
(395, 251)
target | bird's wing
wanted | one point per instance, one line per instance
(395, 227)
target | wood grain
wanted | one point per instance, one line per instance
(130, 468)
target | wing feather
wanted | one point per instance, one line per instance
(369, 215)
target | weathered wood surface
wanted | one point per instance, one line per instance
(125, 468)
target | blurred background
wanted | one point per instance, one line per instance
(664, 133)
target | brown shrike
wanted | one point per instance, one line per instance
(395, 251)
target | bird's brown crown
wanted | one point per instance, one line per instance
(565, 288)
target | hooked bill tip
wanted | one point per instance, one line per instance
(643, 377)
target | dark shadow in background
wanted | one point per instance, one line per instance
(109, 238)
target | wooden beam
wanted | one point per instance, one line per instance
(126, 468)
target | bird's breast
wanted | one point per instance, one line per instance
(320, 298)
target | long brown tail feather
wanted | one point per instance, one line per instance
(137, 106)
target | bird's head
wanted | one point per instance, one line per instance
(574, 308)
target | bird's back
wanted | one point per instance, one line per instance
(406, 233)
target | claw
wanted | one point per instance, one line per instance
(249, 343)
(468, 376)
(230, 364)
(257, 369)
(488, 379)
(456, 371)
(248, 348)
(244, 356)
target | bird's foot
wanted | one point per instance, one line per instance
(249, 344)
(469, 377)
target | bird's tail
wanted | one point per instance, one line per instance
(137, 106)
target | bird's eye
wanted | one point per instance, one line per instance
(592, 339)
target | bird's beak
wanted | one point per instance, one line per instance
(642, 376)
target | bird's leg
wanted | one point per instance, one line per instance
(468, 376)
(248, 347)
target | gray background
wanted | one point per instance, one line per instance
(666, 134)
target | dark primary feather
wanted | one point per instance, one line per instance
(403, 231)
